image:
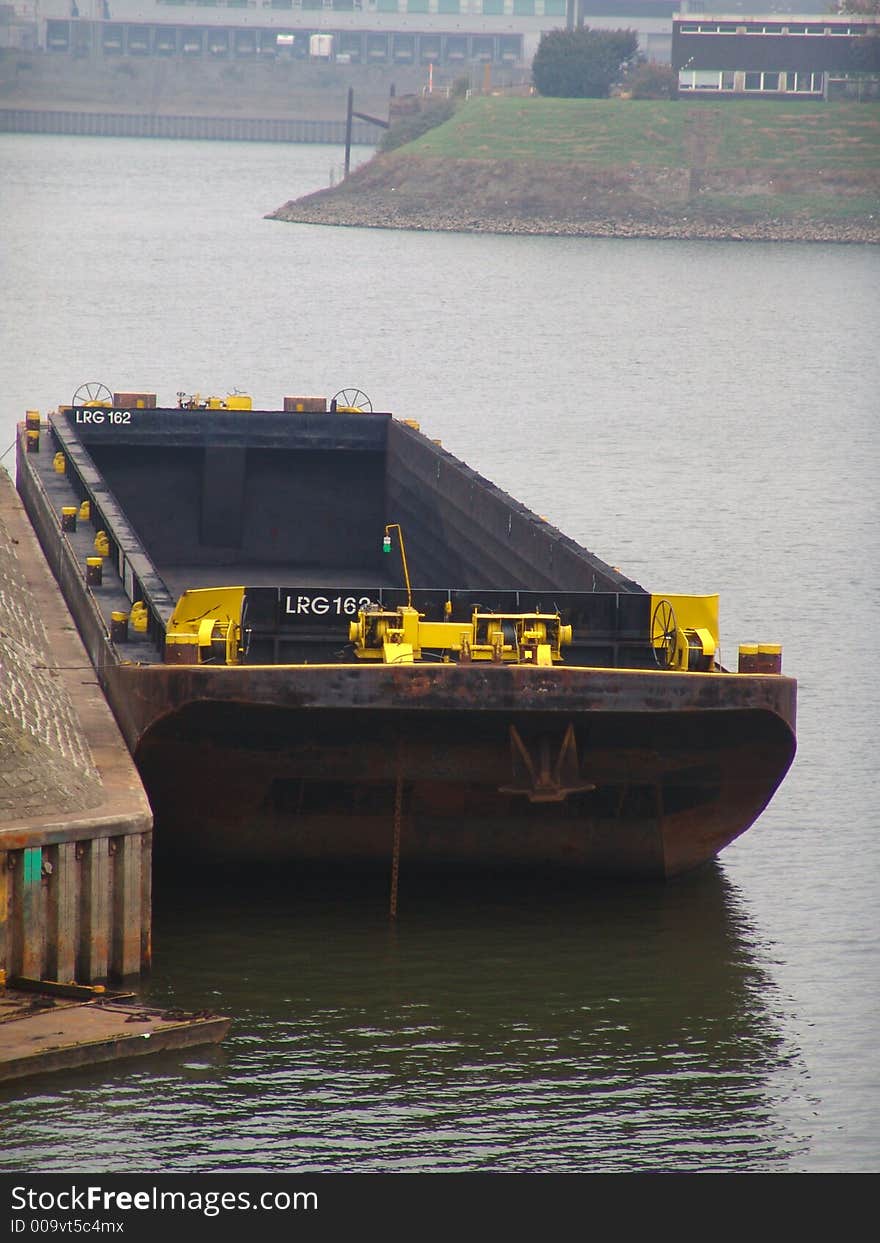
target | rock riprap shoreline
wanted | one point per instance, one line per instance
(408, 192)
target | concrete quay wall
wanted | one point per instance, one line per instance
(75, 823)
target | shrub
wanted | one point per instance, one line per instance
(582, 63)
(652, 81)
(408, 128)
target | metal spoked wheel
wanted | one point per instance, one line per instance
(352, 399)
(664, 633)
(91, 394)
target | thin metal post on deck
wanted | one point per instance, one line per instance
(398, 816)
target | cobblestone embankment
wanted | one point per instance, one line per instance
(61, 754)
(75, 823)
(45, 763)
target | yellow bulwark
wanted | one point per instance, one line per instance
(205, 627)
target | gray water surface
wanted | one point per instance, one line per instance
(703, 415)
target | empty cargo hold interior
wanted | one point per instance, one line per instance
(254, 499)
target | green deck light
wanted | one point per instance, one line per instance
(386, 544)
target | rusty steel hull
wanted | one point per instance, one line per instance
(610, 772)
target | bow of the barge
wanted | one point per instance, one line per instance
(606, 771)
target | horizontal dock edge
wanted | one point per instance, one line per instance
(90, 1030)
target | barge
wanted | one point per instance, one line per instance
(327, 639)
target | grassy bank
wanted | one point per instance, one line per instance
(805, 134)
(647, 166)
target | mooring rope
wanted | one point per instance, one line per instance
(398, 816)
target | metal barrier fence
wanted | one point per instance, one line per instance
(141, 125)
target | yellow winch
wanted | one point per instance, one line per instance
(401, 636)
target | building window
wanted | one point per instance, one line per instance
(804, 83)
(699, 80)
(524, 8)
(554, 8)
(493, 8)
(770, 81)
(728, 80)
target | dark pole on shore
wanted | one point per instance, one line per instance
(348, 116)
(362, 116)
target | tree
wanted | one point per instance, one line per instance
(581, 63)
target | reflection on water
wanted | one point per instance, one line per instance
(623, 1028)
